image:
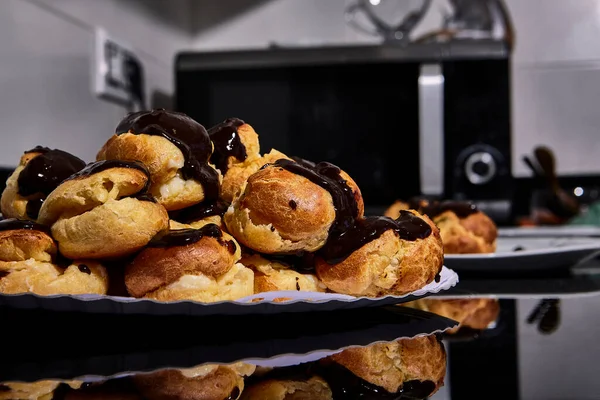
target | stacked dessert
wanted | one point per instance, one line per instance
(172, 211)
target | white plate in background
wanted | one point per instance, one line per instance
(537, 253)
(551, 231)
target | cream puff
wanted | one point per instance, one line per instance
(190, 264)
(290, 206)
(104, 211)
(475, 314)
(408, 368)
(175, 149)
(463, 227)
(27, 264)
(206, 382)
(271, 275)
(39, 172)
(380, 256)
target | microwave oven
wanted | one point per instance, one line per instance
(425, 119)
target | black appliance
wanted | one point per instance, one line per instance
(425, 119)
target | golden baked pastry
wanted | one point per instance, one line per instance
(206, 382)
(463, 227)
(103, 211)
(471, 313)
(39, 172)
(312, 388)
(27, 253)
(380, 256)
(291, 206)
(414, 367)
(190, 264)
(274, 276)
(40, 390)
(175, 149)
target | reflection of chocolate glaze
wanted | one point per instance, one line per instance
(234, 394)
(183, 237)
(85, 269)
(293, 204)
(407, 227)
(99, 166)
(15, 224)
(199, 211)
(43, 173)
(432, 209)
(345, 385)
(187, 135)
(227, 143)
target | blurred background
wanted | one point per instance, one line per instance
(447, 98)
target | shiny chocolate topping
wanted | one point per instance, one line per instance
(462, 209)
(12, 224)
(349, 232)
(199, 211)
(345, 385)
(407, 227)
(187, 135)
(235, 393)
(43, 174)
(38, 149)
(227, 143)
(184, 237)
(99, 166)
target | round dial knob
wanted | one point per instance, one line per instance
(480, 168)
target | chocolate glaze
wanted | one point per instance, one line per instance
(85, 269)
(187, 135)
(302, 262)
(15, 224)
(293, 204)
(227, 143)
(349, 232)
(345, 385)
(199, 211)
(297, 284)
(434, 208)
(38, 149)
(234, 394)
(407, 227)
(44, 173)
(4, 388)
(99, 166)
(183, 237)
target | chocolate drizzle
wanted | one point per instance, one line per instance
(235, 393)
(99, 166)
(183, 237)
(43, 173)
(227, 143)
(85, 269)
(187, 135)
(349, 232)
(199, 211)
(345, 385)
(15, 224)
(432, 209)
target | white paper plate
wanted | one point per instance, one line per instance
(298, 302)
(551, 231)
(538, 253)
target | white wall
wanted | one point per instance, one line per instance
(556, 66)
(45, 67)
